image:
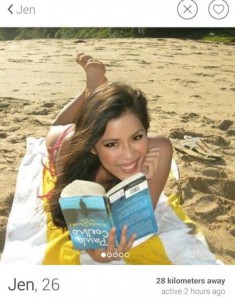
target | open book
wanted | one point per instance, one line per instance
(90, 212)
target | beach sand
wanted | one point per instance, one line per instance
(190, 87)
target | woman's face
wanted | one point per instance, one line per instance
(123, 146)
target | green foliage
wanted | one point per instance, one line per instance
(82, 33)
(214, 34)
(221, 35)
(26, 33)
(8, 33)
(98, 33)
(35, 33)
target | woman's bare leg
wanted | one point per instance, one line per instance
(95, 77)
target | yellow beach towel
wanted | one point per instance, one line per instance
(31, 238)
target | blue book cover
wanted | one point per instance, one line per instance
(90, 213)
(131, 205)
(87, 220)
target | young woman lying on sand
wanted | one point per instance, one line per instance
(102, 136)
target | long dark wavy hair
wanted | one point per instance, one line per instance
(108, 102)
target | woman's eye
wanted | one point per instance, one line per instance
(110, 145)
(138, 137)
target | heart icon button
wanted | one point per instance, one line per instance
(218, 8)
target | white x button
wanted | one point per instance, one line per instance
(187, 9)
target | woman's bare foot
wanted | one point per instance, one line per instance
(95, 77)
(95, 72)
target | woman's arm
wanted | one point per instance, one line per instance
(157, 165)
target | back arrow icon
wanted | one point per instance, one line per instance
(9, 8)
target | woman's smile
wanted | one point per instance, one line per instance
(130, 167)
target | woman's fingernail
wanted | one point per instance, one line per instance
(124, 227)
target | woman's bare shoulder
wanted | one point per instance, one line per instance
(159, 141)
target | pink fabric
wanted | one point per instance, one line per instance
(52, 151)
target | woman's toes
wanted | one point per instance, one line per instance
(82, 59)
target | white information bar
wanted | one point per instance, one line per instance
(117, 282)
(119, 13)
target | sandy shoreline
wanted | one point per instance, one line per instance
(190, 87)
